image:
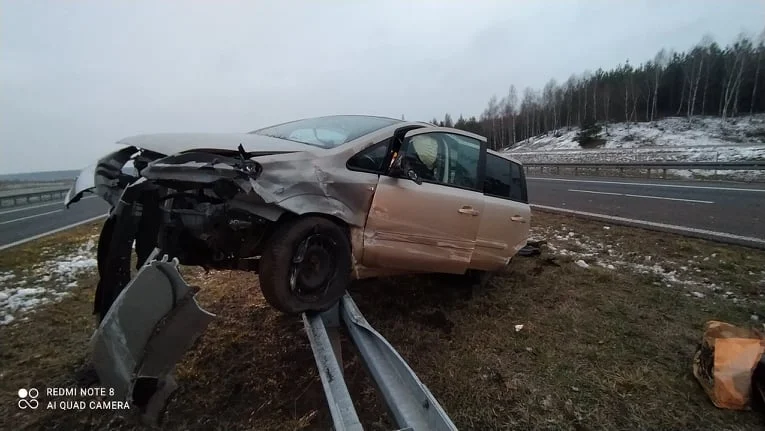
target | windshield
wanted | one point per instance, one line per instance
(327, 132)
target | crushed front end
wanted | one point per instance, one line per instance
(197, 208)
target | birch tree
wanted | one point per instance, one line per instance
(760, 50)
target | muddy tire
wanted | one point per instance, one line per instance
(306, 266)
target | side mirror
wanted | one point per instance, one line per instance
(400, 169)
(412, 175)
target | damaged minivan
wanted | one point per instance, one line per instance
(309, 205)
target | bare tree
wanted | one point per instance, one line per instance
(626, 104)
(570, 85)
(660, 63)
(595, 95)
(706, 87)
(634, 97)
(448, 120)
(528, 106)
(760, 49)
(586, 76)
(510, 103)
(703, 52)
(686, 84)
(735, 73)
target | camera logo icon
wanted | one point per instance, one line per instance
(28, 398)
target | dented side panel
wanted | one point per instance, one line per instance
(503, 231)
(420, 227)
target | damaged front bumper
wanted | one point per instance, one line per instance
(148, 328)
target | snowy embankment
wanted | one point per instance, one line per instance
(614, 254)
(705, 139)
(49, 281)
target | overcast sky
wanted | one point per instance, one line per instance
(77, 76)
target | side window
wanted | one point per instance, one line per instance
(370, 159)
(497, 180)
(518, 188)
(445, 158)
(504, 179)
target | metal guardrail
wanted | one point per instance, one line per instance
(718, 166)
(27, 198)
(755, 165)
(411, 405)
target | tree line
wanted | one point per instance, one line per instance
(705, 80)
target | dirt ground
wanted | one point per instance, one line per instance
(600, 348)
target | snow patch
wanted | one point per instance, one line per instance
(49, 278)
(582, 264)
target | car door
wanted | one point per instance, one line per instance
(504, 227)
(431, 226)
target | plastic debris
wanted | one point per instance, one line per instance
(582, 264)
(518, 328)
(725, 362)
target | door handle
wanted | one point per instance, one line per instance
(467, 209)
(518, 218)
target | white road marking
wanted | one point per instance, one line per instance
(678, 186)
(641, 196)
(29, 217)
(32, 238)
(703, 233)
(43, 205)
(669, 199)
(594, 192)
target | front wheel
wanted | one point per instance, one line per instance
(306, 266)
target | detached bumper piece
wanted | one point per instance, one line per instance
(147, 330)
(410, 403)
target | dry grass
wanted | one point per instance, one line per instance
(599, 349)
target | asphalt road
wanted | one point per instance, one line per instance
(737, 209)
(29, 221)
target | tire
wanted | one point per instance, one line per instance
(306, 265)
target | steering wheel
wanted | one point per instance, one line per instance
(373, 164)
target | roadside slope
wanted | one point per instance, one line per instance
(609, 332)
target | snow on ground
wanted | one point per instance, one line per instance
(585, 252)
(49, 281)
(705, 139)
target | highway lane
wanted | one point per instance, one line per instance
(23, 222)
(737, 209)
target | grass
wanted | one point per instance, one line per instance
(599, 349)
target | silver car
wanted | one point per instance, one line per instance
(310, 205)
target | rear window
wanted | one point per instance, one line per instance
(518, 186)
(497, 179)
(504, 179)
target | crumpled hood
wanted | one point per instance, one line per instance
(173, 143)
(169, 144)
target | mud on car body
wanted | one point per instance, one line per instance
(309, 205)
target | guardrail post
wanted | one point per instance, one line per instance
(649, 172)
(576, 171)
(664, 173)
